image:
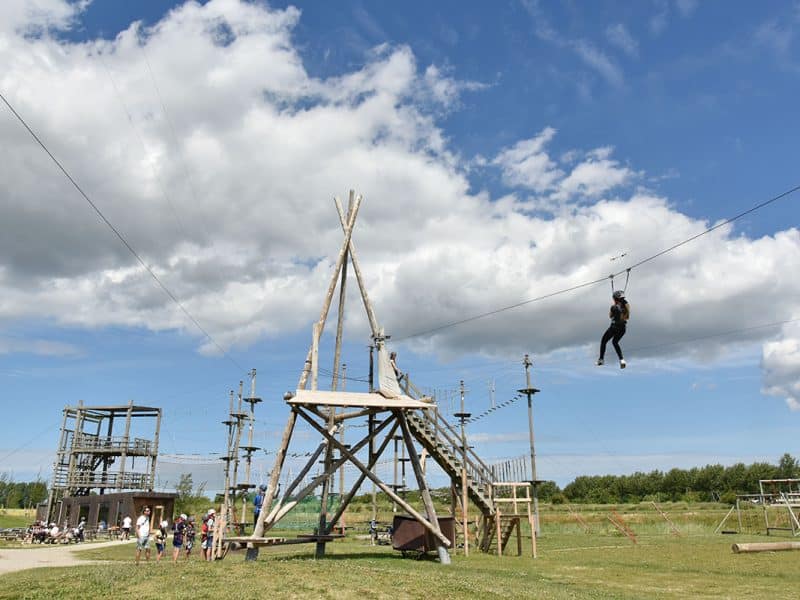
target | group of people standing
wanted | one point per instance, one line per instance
(183, 536)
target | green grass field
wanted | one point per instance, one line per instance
(16, 517)
(571, 564)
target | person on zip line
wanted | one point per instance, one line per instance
(619, 314)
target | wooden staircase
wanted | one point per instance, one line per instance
(443, 444)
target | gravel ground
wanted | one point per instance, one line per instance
(46, 556)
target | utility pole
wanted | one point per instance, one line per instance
(341, 439)
(462, 417)
(529, 392)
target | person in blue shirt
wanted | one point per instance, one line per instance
(258, 501)
(178, 530)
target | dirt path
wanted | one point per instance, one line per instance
(46, 556)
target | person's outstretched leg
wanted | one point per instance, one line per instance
(615, 341)
(603, 342)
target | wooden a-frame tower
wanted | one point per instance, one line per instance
(385, 406)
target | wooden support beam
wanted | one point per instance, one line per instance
(372, 461)
(385, 488)
(326, 485)
(498, 532)
(765, 547)
(672, 525)
(343, 416)
(252, 551)
(427, 501)
(318, 480)
(373, 321)
(337, 351)
(297, 481)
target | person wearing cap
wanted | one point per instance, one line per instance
(143, 534)
(619, 314)
(178, 531)
(210, 539)
(188, 536)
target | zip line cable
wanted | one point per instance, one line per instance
(140, 137)
(500, 405)
(627, 271)
(121, 238)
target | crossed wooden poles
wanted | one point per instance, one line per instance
(318, 410)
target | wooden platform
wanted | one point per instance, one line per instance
(280, 541)
(354, 399)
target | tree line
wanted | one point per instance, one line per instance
(704, 484)
(698, 484)
(18, 494)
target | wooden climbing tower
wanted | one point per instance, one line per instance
(388, 410)
(393, 413)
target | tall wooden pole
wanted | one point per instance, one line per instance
(424, 492)
(252, 551)
(529, 392)
(462, 417)
(342, 523)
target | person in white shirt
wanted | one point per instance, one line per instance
(143, 535)
(126, 528)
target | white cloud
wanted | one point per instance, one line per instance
(660, 20)
(587, 52)
(446, 90)
(781, 364)
(527, 164)
(619, 36)
(37, 17)
(594, 176)
(600, 62)
(40, 347)
(249, 234)
(774, 36)
(499, 438)
(686, 7)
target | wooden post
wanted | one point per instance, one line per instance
(126, 441)
(326, 485)
(427, 501)
(278, 515)
(533, 529)
(498, 531)
(316, 332)
(675, 530)
(154, 457)
(252, 551)
(342, 295)
(373, 321)
(372, 460)
(765, 547)
(385, 488)
(464, 488)
(295, 482)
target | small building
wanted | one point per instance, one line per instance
(109, 508)
(105, 466)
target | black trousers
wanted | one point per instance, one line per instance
(613, 333)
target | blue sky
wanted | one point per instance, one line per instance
(504, 150)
